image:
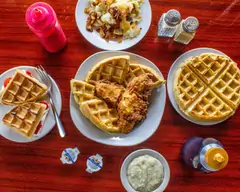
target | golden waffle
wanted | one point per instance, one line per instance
(135, 70)
(21, 89)
(82, 91)
(113, 69)
(25, 118)
(209, 107)
(227, 86)
(98, 112)
(214, 98)
(187, 87)
(208, 65)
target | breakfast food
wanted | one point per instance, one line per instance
(26, 118)
(228, 85)
(108, 100)
(22, 88)
(145, 173)
(101, 115)
(113, 69)
(131, 110)
(207, 87)
(82, 91)
(133, 104)
(136, 70)
(110, 92)
(114, 19)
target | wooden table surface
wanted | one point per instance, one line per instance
(36, 166)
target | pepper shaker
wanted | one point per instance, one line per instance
(168, 23)
(186, 30)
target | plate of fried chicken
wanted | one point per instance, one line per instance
(117, 98)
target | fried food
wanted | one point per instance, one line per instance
(109, 92)
(132, 109)
(114, 19)
(135, 70)
(114, 94)
(142, 85)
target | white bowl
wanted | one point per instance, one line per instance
(141, 152)
(94, 37)
(142, 131)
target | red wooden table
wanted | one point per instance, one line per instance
(36, 166)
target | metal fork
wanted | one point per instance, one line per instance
(47, 81)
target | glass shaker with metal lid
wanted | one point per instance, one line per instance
(168, 23)
(186, 30)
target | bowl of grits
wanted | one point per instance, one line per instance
(145, 170)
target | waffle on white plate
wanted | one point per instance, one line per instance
(135, 70)
(25, 118)
(22, 88)
(100, 114)
(99, 97)
(82, 91)
(207, 87)
(113, 69)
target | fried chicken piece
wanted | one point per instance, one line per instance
(125, 126)
(109, 92)
(131, 110)
(142, 85)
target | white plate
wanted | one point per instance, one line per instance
(170, 81)
(50, 121)
(94, 37)
(141, 152)
(141, 132)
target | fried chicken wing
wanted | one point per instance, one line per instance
(142, 85)
(108, 91)
(131, 103)
(131, 110)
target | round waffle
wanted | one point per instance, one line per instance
(207, 87)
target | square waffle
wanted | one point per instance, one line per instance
(82, 91)
(135, 70)
(25, 118)
(101, 115)
(209, 107)
(113, 69)
(21, 89)
(208, 65)
(227, 86)
(187, 87)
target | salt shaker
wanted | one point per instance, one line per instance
(186, 30)
(168, 23)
